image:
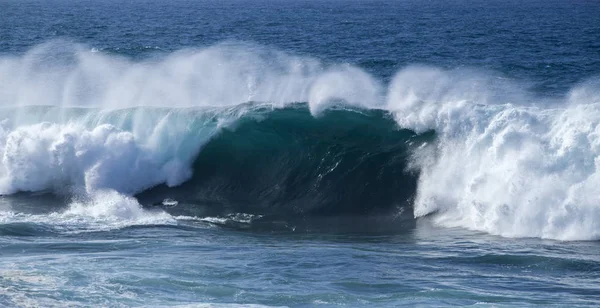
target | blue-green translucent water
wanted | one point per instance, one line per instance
(266, 153)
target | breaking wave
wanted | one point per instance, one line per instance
(238, 128)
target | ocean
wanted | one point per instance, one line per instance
(299, 153)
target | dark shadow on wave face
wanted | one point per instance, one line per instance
(287, 163)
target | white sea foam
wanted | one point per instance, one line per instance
(503, 165)
(98, 211)
(50, 156)
(506, 161)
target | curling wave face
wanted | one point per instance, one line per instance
(256, 130)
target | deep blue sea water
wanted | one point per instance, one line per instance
(283, 153)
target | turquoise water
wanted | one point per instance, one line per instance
(299, 153)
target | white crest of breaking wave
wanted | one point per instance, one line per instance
(502, 164)
(74, 158)
(505, 161)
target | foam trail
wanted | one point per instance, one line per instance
(501, 165)
(109, 209)
(98, 211)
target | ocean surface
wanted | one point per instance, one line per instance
(299, 153)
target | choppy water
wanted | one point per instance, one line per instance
(299, 153)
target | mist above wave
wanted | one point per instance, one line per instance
(61, 73)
